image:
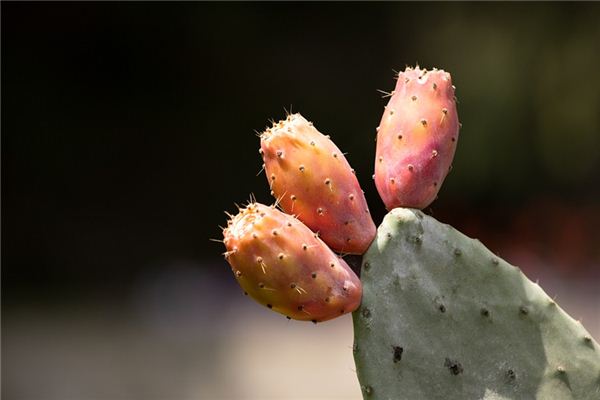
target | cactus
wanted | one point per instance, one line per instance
(416, 139)
(311, 178)
(281, 264)
(444, 318)
(441, 317)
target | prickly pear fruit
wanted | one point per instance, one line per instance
(283, 265)
(416, 139)
(311, 178)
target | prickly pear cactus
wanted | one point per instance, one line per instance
(444, 318)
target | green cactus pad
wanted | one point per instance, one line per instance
(444, 318)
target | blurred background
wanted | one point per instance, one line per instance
(127, 129)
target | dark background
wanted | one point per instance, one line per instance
(127, 129)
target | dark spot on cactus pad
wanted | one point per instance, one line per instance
(261, 285)
(560, 369)
(457, 252)
(454, 366)
(288, 317)
(510, 374)
(366, 312)
(293, 285)
(445, 111)
(523, 310)
(314, 321)
(279, 153)
(326, 299)
(368, 390)
(355, 348)
(424, 122)
(314, 275)
(495, 261)
(389, 235)
(399, 136)
(434, 86)
(245, 293)
(414, 98)
(342, 311)
(269, 306)
(442, 308)
(301, 168)
(300, 307)
(485, 312)
(367, 266)
(238, 273)
(397, 353)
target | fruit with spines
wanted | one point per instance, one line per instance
(416, 139)
(283, 265)
(311, 178)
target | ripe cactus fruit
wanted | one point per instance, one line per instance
(444, 318)
(283, 265)
(311, 178)
(416, 139)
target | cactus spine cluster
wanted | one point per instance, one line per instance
(436, 315)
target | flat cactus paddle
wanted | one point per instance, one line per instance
(444, 318)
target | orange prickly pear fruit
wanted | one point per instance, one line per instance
(283, 265)
(311, 178)
(416, 139)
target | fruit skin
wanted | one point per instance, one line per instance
(311, 178)
(416, 139)
(283, 265)
(442, 317)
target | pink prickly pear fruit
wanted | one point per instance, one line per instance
(311, 178)
(416, 139)
(283, 265)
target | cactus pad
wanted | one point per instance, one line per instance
(442, 317)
